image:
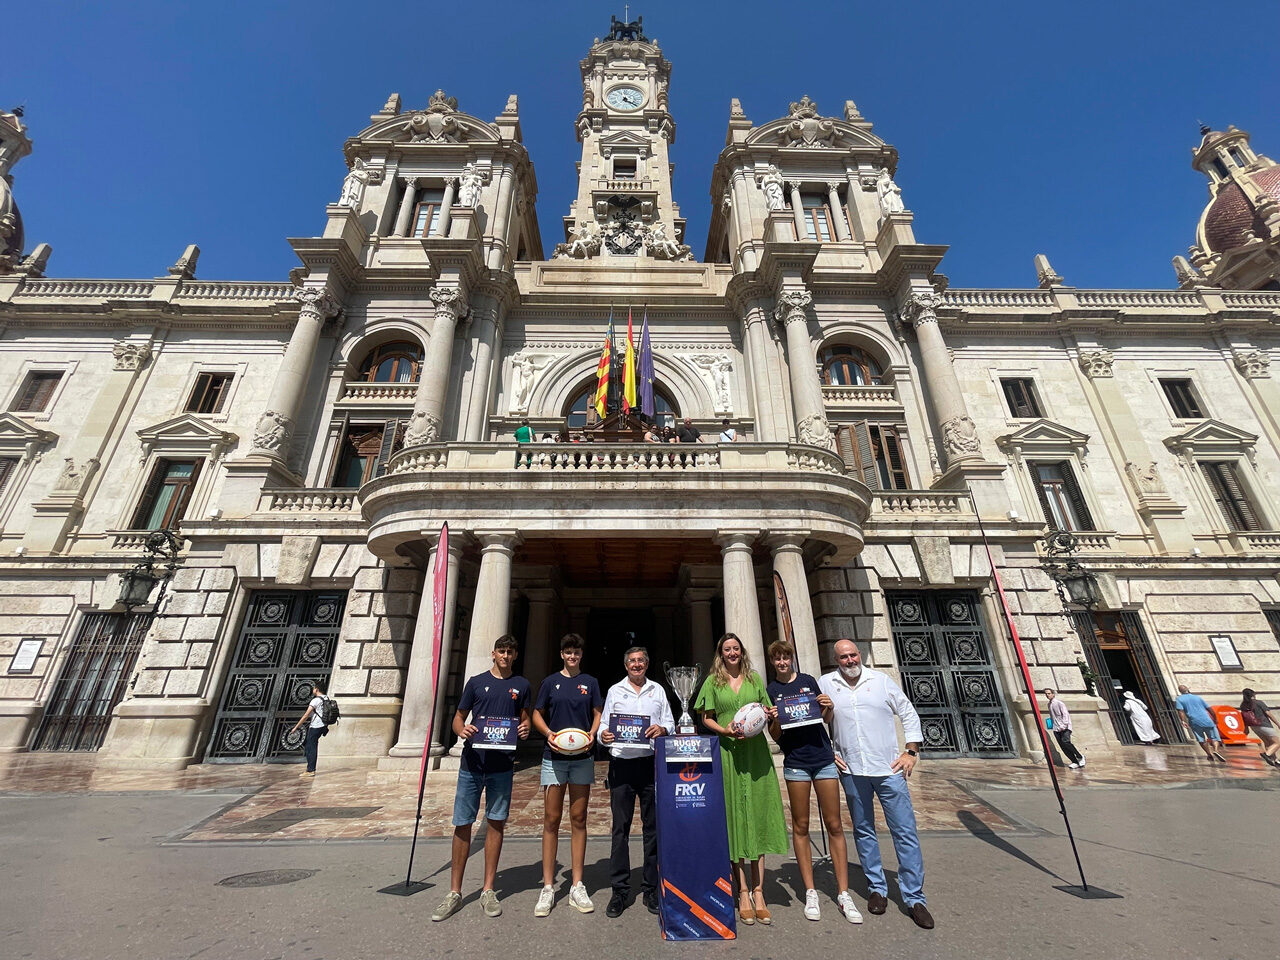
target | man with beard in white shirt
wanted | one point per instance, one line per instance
(864, 703)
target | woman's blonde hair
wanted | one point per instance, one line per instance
(719, 673)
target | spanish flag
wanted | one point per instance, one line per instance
(629, 371)
(602, 371)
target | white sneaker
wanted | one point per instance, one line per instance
(1073, 766)
(546, 900)
(848, 908)
(1082, 761)
(580, 899)
(811, 908)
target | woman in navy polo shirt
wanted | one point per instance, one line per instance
(808, 759)
(569, 698)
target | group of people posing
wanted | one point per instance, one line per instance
(855, 751)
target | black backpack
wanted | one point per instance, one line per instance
(329, 711)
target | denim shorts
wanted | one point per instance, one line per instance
(497, 796)
(1205, 733)
(829, 772)
(577, 770)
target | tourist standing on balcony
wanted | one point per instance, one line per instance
(631, 777)
(568, 699)
(525, 434)
(1060, 725)
(496, 694)
(1199, 720)
(809, 764)
(688, 433)
(752, 800)
(727, 433)
(864, 704)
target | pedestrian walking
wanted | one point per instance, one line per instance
(497, 694)
(1199, 720)
(567, 699)
(1257, 716)
(631, 778)
(1139, 718)
(314, 719)
(1059, 724)
(752, 800)
(864, 705)
(809, 765)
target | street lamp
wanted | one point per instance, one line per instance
(156, 566)
(1075, 584)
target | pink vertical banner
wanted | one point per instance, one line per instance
(439, 585)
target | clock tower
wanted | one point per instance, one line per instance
(624, 206)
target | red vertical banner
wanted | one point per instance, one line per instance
(439, 586)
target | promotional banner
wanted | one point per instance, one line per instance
(693, 842)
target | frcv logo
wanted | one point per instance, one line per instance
(688, 785)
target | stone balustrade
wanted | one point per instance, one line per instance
(86, 289)
(1260, 542)
(998, 299)
(230, 290)
(620, 456)
(361, 391)
(839, 396)
(1137, 298)
(924, 503)
(309, 500)
(1094, 541)
(134, 541)
(624, 186)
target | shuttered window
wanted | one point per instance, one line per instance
(167, 494)
(817, 216)
(873, 452)
(7, 466)
(1020, 394)
(210, 393)
(36, 391)
(1228, 493)
(365, 450)
(1182, 399)
(1060, 496)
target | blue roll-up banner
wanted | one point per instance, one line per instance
(693, 841)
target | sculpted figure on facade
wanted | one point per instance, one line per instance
(716, 367)
(771, 185)
(1254, 364)
(353, 186)
(74, 475)
(1188, 276)
(960, 438)
(582, 245)
(423, 428)
(807, 129)
(889, 195)
(525, 368)
(1046, 276)
(130, 356)
(851, 113)
(1096, 362)
(469, 183)
(814, 431)
(35, 263)
(1146, 480)
(661, 247)
(272, 434)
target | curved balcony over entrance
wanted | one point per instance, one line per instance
(615, 489)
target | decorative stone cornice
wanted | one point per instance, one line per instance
(921, 308)
(1096, 362)
(131, 356)
(1254, 364)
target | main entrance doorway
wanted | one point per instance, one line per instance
(947, 672)
(287, 643)
(609, 633)
(93, 680)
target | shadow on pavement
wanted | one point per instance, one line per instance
(984, 833)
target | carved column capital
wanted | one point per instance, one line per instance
(921, 308)
(1254, 364)
(833, 186)
(411, 183)
(131, 356)
(449, 301)
(791, 305)
(317, 301)
(1096, 362)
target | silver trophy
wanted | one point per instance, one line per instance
(684, 681)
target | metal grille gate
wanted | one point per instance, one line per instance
(947, 673)
(93, 680)
(287, 642)
(1156, 697)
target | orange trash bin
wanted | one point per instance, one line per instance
(1231, 725)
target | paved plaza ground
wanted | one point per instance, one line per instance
(99, 862)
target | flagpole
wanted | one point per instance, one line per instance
(1031, 695)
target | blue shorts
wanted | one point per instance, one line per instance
(829, 772)
(1205, 733)
(497, 796)
(577, 770)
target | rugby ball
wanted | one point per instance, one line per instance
(570, 741)
(750, 719)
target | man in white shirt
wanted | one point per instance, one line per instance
(864, 703)
(631, 775)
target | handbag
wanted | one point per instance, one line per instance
(1048, 723)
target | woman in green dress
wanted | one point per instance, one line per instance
(752, 798)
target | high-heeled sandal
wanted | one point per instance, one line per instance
(748, 915)
(762, 913)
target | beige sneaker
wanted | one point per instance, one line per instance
(580, 899)
(448, 907)
(490, 905)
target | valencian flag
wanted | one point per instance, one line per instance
(629, 370)
(646, 368)
(601, 401)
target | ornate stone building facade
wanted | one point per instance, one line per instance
(308, 438)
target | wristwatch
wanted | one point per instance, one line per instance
(912, 753)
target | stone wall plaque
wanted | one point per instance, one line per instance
(24, 660)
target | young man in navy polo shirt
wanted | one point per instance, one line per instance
(495, 693)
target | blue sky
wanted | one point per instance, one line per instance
(1022, 127)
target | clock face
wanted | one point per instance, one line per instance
(625, 98)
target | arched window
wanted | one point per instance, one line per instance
(396, 362)
(848, 366)
(581, 413)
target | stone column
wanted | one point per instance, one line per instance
(741, 609)
(651, 76)
(426, 425)
(701, 643)
(757, 346)
(788, 563)
(446, 209)
(957, 430)
(491, 615)
(838, 222)
(537, 640)
(418, 680)
(486, 329)
(404, 216)
(797, 211)
(806, 391)
(274, 433)
(501, 218)
(742, 218)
